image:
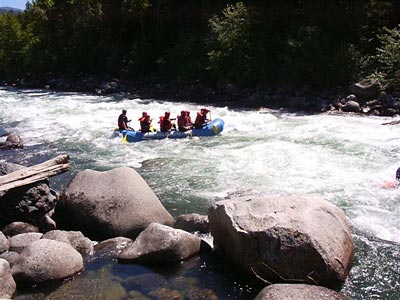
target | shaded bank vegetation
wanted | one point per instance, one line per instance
(251, 43)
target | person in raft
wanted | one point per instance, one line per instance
(201, 118)
(184, 121)
(395, 183)
(166, 122)
(123, 121)
(145, 122)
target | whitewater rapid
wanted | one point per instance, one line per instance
(345, 159)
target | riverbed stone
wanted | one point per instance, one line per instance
(20, 241)
(165, 294)
(283, 238)
(74, 238)
(113, 246)
(15, 228)
(100, 285)
(4, 243)
(160, 243)
(351, 106)
(146, 282)
(32, 203)
(10, 256)
(192, 223)
(109, 204)
(200, 294)
(366, 89)
(45, 261)
(7, 283)
(13, 141)
(299, 292)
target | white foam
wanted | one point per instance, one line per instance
(344, 159)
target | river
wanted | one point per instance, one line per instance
(343, 158)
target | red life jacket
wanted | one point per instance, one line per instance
(165, 124)
(144, 124)
(200, 120)
(181, 122)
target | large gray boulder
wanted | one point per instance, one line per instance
(366, 89)
(281, 239)
(45, 261)
(109, 204)
(160, 243)
(299, 292)
(7, 283)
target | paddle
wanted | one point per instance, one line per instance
(124, 140)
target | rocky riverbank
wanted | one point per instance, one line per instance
(274, 239)
(365, 97)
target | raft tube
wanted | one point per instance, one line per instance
(215, 127)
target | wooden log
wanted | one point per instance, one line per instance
(49, 168)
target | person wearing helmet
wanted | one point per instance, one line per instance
(184, 121)
(395, 183)
(166, 122)
(201, 118)
(123, 121)
(145, 122)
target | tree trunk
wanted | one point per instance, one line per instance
(49, 168)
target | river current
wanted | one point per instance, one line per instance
(343, 158)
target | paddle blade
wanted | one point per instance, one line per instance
(215, 129)
(124, 138)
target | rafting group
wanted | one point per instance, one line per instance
(184, 121)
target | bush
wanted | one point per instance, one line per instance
(229, 45)
(388, 55)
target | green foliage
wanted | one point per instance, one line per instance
(11, 38)
(186, 59)
(388, 55)
(229, 45)
(319, 43)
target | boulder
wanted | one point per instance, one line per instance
(109, 204)
(4, 243)
(192, 223)
(13, 141)
(45, 261)
(299, 292)
(281, 239)
(10, 256)
(366, 89)
(15, 228)
(113, 246)
(20, 241)
(6, 168)
(351, 106)
(33, 203)
(160, 243)
(99, 285)
(7, 283)
(74, 238)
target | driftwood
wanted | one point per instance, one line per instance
(49, 168)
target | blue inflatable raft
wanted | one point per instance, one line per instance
(213, 128)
